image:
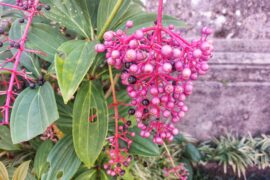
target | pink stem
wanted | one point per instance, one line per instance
(160, 10)
(17, 60)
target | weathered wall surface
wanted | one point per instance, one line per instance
(235, 94)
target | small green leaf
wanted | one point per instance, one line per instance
(40, 163)
(89, 175)
(143, 146)
(88, 136)
(5, 140)
(33, 111)
(63, 160)
(192, 152)
(21, 172)
(73, 60)
(71, 15)
(3, 172)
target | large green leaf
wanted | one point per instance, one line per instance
(40, 163)
(33, 111)
(71, 14)
(104, 10)
(46, 39)
(21, 172)
(143, 146)
(88, 136)
(3, 171)
(73, 60)
(63, 160)
(5, 140)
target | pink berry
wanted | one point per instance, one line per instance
(167, 67)
(139, 34)
(186, 73)
(148, 68)
(100, 48)
(197, 53)
(153, 90)
(108, 36)
(176, 53)
(115, 54)
(129, 24)
(178, 66)
(155, 101)
(133, 44)
(166, 50)
(130, 55)
(133, 68)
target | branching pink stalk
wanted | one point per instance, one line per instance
(13, 79)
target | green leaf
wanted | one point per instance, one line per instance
(64, 123)
(45, 38)
(33, 111)
(104, 10)
(63, 161)
(89, 175)
(143, 146)
(5, 140)
(71, 15)
(3, 171)
(40, 163)
(73, 60)
(88, 136)
(192, 152)
(21, 172)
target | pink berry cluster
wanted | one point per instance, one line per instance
(118, 156)
(28, 4)
(158, 69)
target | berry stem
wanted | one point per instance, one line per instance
(110, 19)
(17, 61)
(169, 154)
(160, 10)
(116, 113)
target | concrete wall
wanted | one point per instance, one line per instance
(235, 94)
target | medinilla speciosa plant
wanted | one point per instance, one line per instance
(94, 83)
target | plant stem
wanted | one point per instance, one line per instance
(109, 20)
(17, 60)
(116, 113)
(169, 154)
(115, 102)
(160, 10)
(108, 93)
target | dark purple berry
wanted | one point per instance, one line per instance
(132, 79)
(17, 45)
(145, 102)
(12, 44)
(1, 44)
(122, 172)
(41, 81)
(39, 8)
(131, 111)
(145, 111)
(21, 20)
(129, 123)
(32, 85)
(47, 7)
(118, 165)
(125, 164)
(128, 64)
